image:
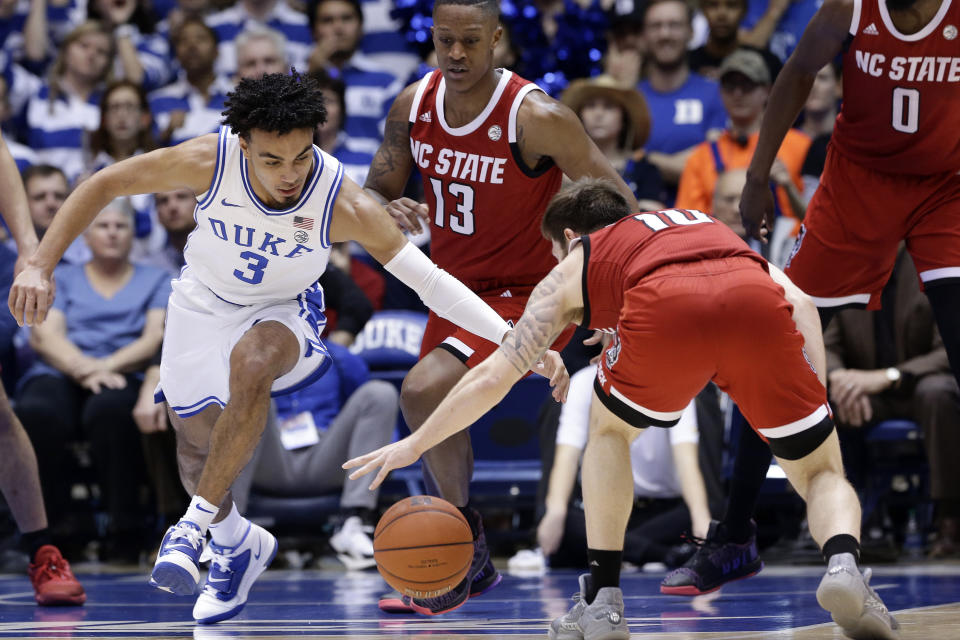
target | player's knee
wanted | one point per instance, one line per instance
(416, 398)
(253, 370)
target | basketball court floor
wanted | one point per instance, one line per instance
(777, 604)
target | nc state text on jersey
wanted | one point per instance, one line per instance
(459, 165)
(911, 69)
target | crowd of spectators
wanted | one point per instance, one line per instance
(671, 91)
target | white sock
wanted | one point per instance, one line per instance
(229, 531)
(201, 513)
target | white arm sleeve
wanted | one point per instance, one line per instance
(575, 413)
(448, 297)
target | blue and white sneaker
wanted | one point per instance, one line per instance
(177, 568)
(232, 572)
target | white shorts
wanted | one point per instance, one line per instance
(202, 330)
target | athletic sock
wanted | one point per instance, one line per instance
(604, 571)
(841, 543)
(33, 540)
(749, 472)
(201, 513)
(229, 531)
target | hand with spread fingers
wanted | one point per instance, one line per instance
(399, 454)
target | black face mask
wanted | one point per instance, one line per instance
(900, 5)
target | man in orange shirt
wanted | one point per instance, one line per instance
(744, 88)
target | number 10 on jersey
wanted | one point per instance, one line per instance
(459, 199)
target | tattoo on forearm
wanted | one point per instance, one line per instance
(541, 323)
(396, 142)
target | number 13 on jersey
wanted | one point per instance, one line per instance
(454, 206)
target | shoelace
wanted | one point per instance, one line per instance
(221, 573)
(873, 600)
(183, 530)
(53, 569)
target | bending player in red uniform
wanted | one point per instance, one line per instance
(689, 302)
(53, 582)
(491, 149)
(890, 175)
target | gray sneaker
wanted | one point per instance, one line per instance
(602, 619)
(852, 602)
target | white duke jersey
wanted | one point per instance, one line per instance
(248, 253)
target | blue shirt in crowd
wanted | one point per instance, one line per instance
(681, 119)
(787, 33)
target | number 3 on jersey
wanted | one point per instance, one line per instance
(461, 196)
(256, 263)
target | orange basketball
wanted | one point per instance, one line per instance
(423, 546)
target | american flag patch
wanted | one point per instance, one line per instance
(303, 223)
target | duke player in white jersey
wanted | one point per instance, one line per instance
(245, 316)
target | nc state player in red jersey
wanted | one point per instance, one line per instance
(891, 175)
(491, 149)
(690, 303)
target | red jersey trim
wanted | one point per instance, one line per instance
(584, 280)
(418, 96)
(545, 164)
(855, 22)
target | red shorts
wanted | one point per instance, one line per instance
(855, 222)
(469, 348)
(722, 320)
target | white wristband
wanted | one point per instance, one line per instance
(445, 295)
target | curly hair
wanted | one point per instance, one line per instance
(277, 103)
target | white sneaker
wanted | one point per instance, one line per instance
(354, 544)
(232, 572)
(176, 569)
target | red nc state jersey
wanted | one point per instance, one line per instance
(901, 93)
(485, 204)
(618, 256)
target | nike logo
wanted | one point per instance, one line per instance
(218, 579)
(226, 204)
(198, 506)
(188, 547)
(259, 549)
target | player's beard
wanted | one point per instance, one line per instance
(900, 5)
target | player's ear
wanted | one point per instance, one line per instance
(244, 146)
(570, 234)
(497, 34)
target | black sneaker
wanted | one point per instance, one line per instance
(716, 562)
(481, 577)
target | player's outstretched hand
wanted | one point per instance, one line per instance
(552, 368)
(393, 456)
(31, 296)
(756, 208)
(408, 215)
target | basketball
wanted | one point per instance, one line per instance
(423, 546)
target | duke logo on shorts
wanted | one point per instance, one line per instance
(247, 263)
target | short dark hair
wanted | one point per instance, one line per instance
(490, 7)
(583, 206)
(42, 171)
(189, 20)
(651, 3)
(276, 102)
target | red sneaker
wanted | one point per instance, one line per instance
(53, 582)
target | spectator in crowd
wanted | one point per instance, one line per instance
(384, 41)
(125, 131)
(47, 188)
(337, 27)
(68, 102)
(819, 116)
(777, 24)
(23, 155)
(180, 11)
(891, 364)
(105, 325)
(724, 17)
(726, 206)
(684, 107)
(260, 50)
(625, 46)
(276, 14)
(337, 417)
(191, 106)
(669, 490)
(28, 30)
(141, 56)
(330, 135)
(347, 308)
(616, 119)
(175, 214)
(744, 87)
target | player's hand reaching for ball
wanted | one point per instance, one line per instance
(31, 296)
(393, 456)
(410, 215)
(552, 368)
(756, 208)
